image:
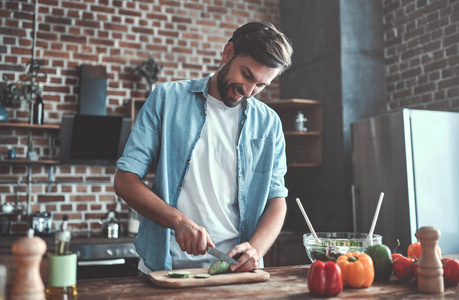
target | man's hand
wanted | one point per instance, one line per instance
(192, 238)
(249, 254)
(247, 258)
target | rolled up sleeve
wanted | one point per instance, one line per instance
(277, 187)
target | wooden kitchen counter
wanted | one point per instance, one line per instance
(287, 282)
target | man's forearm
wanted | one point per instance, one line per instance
(129, 187)
(269, 226)
(191, 237)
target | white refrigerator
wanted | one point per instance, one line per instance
(413, 157)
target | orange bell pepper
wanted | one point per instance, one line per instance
(415, 249)
(357, 269)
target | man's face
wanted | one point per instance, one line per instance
(243, 77)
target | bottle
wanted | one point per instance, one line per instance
(31, 153)
(62, 267)
(300, 122)
(38, 109)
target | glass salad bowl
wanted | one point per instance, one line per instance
(333, 244)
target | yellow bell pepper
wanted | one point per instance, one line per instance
(357, 269)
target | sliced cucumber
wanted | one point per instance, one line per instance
(179, 274)
(219, 267)
(202, 276)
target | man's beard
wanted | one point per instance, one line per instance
(223, 86)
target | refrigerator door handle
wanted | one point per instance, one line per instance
(354, 213)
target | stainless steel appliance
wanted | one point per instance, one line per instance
(111, 226)
(413, 157)
(40, 222)
(106, 260)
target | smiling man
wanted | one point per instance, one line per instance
(219, 156)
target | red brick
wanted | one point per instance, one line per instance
(130, 45)
(71, 4)
(144, 30)
(50, 198)
(176, 19)
(130, 13)
(85, 57)
(168, 33)
(83, 198)
(115, 27)
(12, 31)
(56, 54)
(169, 3)
(104, 9)
(435, 66)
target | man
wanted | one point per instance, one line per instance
(219, 156)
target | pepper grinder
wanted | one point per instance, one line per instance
(430, 270)
(28, 252)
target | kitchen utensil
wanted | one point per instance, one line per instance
(307, 219)
(162, 279)
(220, 255)
(7, 208)
(375, 218)
(334, 244)
(62, 238)
(111, 227)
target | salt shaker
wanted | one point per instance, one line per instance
(28, 284)
(430, 270)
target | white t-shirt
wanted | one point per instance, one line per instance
(209, 193)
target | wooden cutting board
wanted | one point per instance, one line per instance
(162, 279)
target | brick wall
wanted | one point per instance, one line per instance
(186, 37)
(421, 50)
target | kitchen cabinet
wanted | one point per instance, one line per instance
(304, 148)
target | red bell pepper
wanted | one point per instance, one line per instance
(450, 271)
(325, 279)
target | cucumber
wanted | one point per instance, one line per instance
(202, 276)
(219, 267)
(179, 274)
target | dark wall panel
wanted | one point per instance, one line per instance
(338, 59)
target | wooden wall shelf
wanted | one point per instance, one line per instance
(304, 148)
(24, 161)
(48, 127)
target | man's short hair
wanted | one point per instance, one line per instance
(264, 43)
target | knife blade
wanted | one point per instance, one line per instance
(221, 255)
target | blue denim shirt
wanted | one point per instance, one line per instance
(164, 135)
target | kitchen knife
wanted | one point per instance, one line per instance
(221, 255)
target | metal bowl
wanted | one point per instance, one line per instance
(333, 244)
